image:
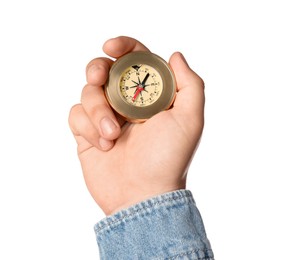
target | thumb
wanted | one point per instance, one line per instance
(190, 99)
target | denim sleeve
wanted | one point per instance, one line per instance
(168, 226)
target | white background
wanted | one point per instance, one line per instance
(241, 175)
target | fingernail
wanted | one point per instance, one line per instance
(105, 144)
(107, 125)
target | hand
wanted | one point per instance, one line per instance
(125, 163)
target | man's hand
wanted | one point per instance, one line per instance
(126, 163)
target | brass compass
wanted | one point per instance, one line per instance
(140, 85)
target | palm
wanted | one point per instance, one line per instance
(144, 157)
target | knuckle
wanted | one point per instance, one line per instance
(96, 111)
(73, 115)
(74, 110)
(199, 81)
(85, 92)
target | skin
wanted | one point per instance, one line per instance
(125, 163)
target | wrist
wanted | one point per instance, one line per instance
(140, 196)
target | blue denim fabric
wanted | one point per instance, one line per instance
(168, 226)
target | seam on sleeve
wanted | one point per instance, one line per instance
(191, 253)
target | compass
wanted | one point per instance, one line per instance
(140, 85)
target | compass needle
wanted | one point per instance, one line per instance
(137, 83)
(145, 79)
(138, 91)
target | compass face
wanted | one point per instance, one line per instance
(140, 85)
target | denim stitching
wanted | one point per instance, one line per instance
(190, 253)
(174, 198)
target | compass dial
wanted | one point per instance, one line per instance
(141, 85)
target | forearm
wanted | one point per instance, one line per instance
(168, 226)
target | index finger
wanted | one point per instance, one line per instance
(121, 45)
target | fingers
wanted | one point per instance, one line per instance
(98, 111)
(93, 121)
(93, 99)
(85, 132)
(190, 99)
(121, 45)
(97, 71)
(94, 102)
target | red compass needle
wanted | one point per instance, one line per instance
(138, 90)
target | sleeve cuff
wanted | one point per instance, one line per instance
(168, 226)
